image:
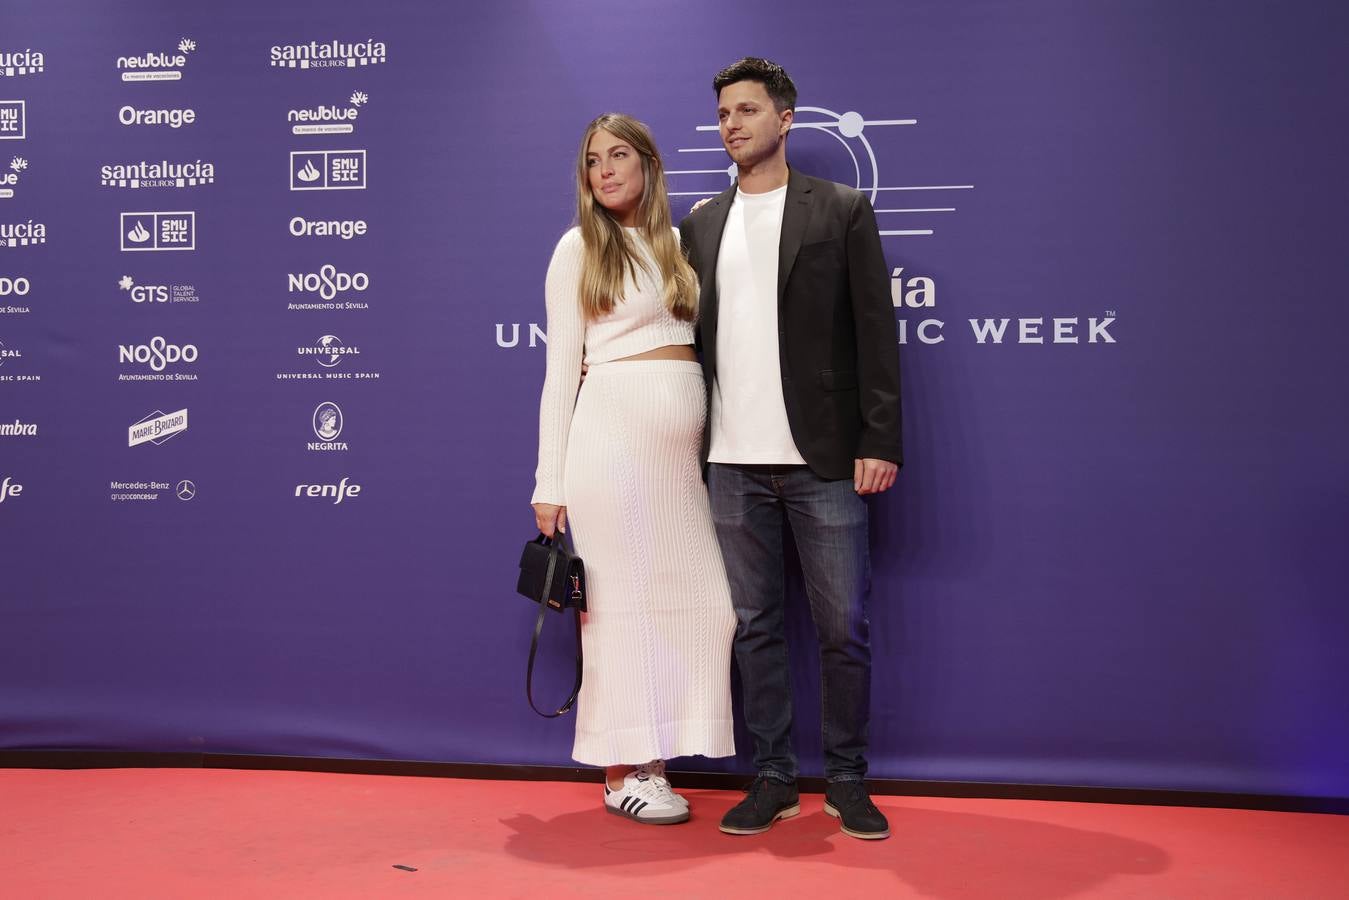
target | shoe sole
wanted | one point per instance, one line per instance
(674, 819)
(781, 814)
(861, 835)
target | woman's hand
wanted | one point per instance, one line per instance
(550, 519)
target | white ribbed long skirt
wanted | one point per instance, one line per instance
(658, 633)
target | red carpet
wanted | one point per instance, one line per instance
(219, 833)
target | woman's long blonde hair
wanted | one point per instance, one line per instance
(609, 256)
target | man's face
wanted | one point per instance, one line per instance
(751, 129)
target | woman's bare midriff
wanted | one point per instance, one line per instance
(669, 351)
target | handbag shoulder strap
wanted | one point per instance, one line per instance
(534, 647)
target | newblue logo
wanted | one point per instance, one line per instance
(157, 66)
(9, 179)
(13, 120)
(144, 231)
(327, 170)
(329, 55)
(328, 119)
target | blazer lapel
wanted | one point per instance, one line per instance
(710, 239)
(795, 218)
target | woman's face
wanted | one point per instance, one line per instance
(616, 179)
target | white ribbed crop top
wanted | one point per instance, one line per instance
(637, 323)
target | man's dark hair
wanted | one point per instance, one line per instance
(772, 76)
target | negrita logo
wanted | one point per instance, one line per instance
(329, 55)
(157, 65)
(327, 423)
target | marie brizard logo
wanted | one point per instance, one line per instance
(157, 427)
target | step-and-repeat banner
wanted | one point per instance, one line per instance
(272, 334)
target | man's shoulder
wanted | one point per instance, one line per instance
(844, 193)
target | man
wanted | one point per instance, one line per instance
(802, 369)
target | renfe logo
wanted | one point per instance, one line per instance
(339, 491)
(327, 170)
(9, 489)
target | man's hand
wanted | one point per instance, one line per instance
(873, 476)
(550, 519)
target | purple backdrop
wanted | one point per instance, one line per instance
(1108, 562)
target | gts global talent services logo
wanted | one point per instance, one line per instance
(327, 422)
(13, 120)
(147, 231)
(14, 63)
(158, 293)
(329, 55)
(157, 65)
(147, 174)
(328, 119)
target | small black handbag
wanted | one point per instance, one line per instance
(554, 578)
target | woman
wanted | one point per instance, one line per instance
(620, 462)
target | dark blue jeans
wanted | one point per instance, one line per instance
(750, 504)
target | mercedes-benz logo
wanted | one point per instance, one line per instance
(186, 490)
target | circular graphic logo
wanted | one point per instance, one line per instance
(186, 490)
(330, 350)
(328, 421)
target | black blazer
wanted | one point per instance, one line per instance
(837, 344)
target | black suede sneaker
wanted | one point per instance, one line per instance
(766, 801)
(849, 802)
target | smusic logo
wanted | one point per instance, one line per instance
(157, 427)
(327, 170)
(157, 174)
(149, 231)
(327, 423)
(330, 55)
(13, 120)
(157, 66)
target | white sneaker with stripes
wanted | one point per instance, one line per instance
(656, 770)
(645, 799)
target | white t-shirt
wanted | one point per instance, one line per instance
(749, 415)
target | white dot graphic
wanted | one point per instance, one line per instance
(850, 124)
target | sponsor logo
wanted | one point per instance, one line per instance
(185, 490)
(508, 335)
(13, 120)
(10, 354)
(22, 234)
(328, 119)
(18, 428)
(147, 231)
(327, 170)
(8, 179)
(346, 229)
(330, 55)
(158, 354)
(327, 423)
(157, 174)
(9, 488)
(157, 427)
(327, 282)
(150, 490)
(158, 293)
(329, 352)
(339, 492)
(156, 65)
(173, 118)
(21, 62)
(14, 287)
